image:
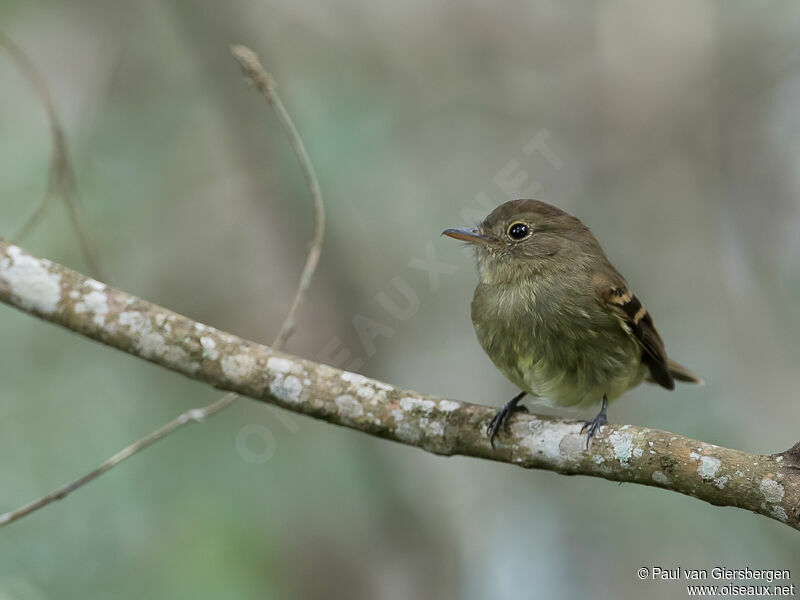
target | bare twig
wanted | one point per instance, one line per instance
(262, 81)
(61, 176)
(765, 484)
(159, 434)
(259, 77)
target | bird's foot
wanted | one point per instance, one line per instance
(600, 419)
(500, 420)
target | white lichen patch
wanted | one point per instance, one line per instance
(449, 405)
(407, 432)
(288, 389)
(349, 407)
(354, 378)
(660, 477)
(637, 452)
(32, 284)
(95, 302)
(535, 424)
(149, 343)
(558, 445)
(360, 380)
(279, 364)
(572, 447)
(622, 443)
(365, 392)
(409, 403)
(598, 459)
(366, 388)
(134, 321)
(707, 469)
(152, 345)
(779, 513)
(772, 490)
(240, 367)
(545, 443)
(180, 358)
(209, 347)
(95, 285)
(721, 482)
(435, 429)
(694, 455)
(424, 422)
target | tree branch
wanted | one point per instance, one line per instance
(765, 484)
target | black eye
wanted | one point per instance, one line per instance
(518, 231)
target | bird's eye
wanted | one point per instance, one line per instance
(518, 231)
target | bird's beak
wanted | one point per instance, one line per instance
(473, 236)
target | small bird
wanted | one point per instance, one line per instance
(556, 317)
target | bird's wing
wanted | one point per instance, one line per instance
(613, 293)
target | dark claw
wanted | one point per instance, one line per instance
(591, 427)
(600, 419)
(500, 420)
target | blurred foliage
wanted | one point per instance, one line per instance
(679, 136)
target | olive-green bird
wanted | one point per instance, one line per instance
(556, 317)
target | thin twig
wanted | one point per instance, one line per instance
(61, 176)
(255, 73)
(60, 493)
(36, 216)
(263, 82)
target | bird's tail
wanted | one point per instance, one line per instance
(681, 373)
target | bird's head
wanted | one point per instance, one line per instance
(527, 238)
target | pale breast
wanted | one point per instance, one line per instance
(554, 345)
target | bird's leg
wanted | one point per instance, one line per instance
(600, 419)
(502, 416)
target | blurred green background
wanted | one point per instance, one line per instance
(674, 130)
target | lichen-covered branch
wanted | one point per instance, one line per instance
(765, 484)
